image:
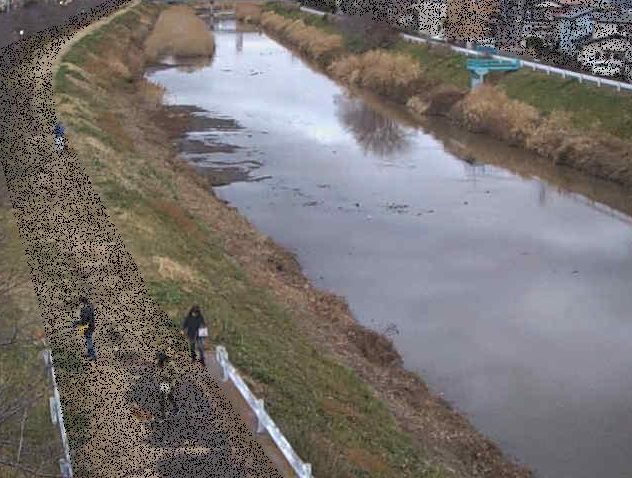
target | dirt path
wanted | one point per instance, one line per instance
(73, 248)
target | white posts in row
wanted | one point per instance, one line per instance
(264, 421)
(57, 416)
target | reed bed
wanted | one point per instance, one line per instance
(180, 33)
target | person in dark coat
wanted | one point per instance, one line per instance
(191, 328)
(59, 129)
(86, 318)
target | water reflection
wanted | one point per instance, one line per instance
(190, 65)
(374, 132)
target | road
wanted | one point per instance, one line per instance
(38, 17)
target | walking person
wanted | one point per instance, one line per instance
(191, 327)
(59, 136)
(86, 322)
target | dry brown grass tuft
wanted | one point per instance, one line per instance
(179, 32)
(385, 73)
(248, 12)
(375, 347)
(489, 110)
(172, 270)
(311, 41)
(151, 93)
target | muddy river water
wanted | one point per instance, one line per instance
(507, 281)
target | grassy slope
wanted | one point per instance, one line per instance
(601, 108)
(21, 368)
(141, 193)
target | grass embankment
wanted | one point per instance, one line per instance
(172, 224)
(24, 391)
(579, 125)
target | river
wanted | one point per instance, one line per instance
(507, 280)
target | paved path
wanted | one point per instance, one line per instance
(73, 248)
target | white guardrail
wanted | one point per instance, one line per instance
(57, 415)
(581, 77)
(264, 422)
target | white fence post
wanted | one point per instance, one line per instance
(222, 360)
(57, 415)
(264, 422)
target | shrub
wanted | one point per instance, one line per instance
(489, 110)
(248, 12)
(389, 74)
(313, 42)
(179, 32)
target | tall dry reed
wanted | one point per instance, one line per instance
(385, 73)
(248, 12)
(316, 44)
(554, 136)
(180, 33)
(489, 110)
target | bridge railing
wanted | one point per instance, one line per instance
(264, 422)
(57, 416)
(548, 69)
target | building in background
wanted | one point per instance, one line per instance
(575, 26)
(473, 20)
(432, 15)
(605, 56)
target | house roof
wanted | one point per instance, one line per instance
(612, 16)
(573, 12)
(591, 41)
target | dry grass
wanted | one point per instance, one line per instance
(389, 74)
(180, 33)
(151, 93)
(489, 110)
(316, 44)
(170, 269)
(248, 12)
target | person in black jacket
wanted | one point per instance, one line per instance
(86, 318)
(191, 327)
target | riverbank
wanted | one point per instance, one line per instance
(337, 390)
(28, 440)
(73, 249)
(577, 125)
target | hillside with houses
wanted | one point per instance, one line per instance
(592, 36)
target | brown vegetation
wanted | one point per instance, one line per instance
(489, 110)
(316, 44)
(180, 33)
(248, 12)
(389, 74)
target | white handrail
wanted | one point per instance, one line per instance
(548, 69)
(57, 415)
(264, 422)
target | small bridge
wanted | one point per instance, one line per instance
(479, 67)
